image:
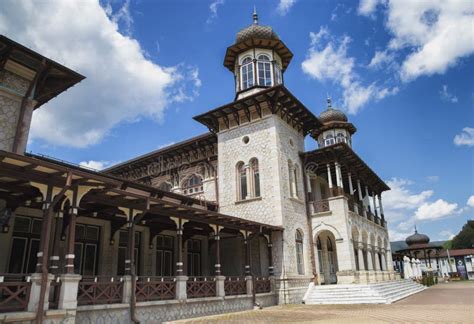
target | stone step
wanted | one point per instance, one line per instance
(377, 293)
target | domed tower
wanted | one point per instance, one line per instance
(417, 238)
(258, 59)
(336, 127)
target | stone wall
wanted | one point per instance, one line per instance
(162, 311)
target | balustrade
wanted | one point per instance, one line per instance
(14, 292)
(100, 290)
(197, 287)
(262, 285)
(235, 286)
(321, 206)
(155, 288)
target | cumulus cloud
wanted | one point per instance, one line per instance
(446, 96)
(284, 6)
(437, 34)
(435, 210)
(367, 7)
(94, 165)
(213, 7)
(327, 59)
(401, 197)
(470, 201)
(446, 235)
(122, 85)
(380, 59)
(466, 137)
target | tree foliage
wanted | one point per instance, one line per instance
(465, 238)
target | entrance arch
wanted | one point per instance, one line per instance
(327, 257)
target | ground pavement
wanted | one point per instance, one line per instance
(443, 303)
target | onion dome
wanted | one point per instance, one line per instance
(332, 115)
(257, 36)
(417, 238)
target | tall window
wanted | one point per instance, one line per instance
(278, 79)
(299, 252)
(255, 177)
(264, 71)
(241, 181)
(86, 249)
(164, 255)
(331, 256)
(122, 252)
(25, 244)
(246, 72)
(340, 138)
(293, 176)
(320, 255)
(193, 185)
(194, 257)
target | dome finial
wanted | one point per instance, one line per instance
(255, 15)
(329, 101)
(415, 229)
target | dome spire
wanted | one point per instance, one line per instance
(255, 15)
(329, 101)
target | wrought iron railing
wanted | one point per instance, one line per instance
(100, 290)
(197, 287)
(14, 292)
(321, 206)
(262, 285)
(235, 286)
(155, 288)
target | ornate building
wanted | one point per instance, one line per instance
(242, 210)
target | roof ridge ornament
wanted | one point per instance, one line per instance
(255, 15)
(329, 101)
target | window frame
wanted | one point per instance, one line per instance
(299, 246)
(247, 69)
(264, 66)
(241, 181)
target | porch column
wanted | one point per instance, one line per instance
(368, 198)
(376, 259)
(339, 182)
(375, 205)
(218, 253)
(179, 234)
(360, 253)
(381, 208)
(45, 230)
(359, 192)
(54, 258)
(351, 188)
(247, 254)
(383, 266)
(329, 177)
(370, 265)
(71, 239)
(270, 255)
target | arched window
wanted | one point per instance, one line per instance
(278, 79)
(255, 174)
(299, 251)
(193, 185)
(165, 186)
(329, 140)
(264, 71)
(340, 138)
(246, 72)
(241, 171)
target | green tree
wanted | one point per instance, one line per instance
(465, 238)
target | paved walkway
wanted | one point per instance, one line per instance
(443, 303)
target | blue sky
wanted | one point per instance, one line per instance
(403, 70)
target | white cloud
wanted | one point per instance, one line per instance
(433, 178)
(446, 235)
(284, 6)
(446, 96)
(213, 7)
(470, 201)
(398, 235)
(122, 85)
(437, 33)
(367, 7)
(400, 197)
(380, 59)
(95, 165)
(327, 59)
(465, 138)
(435, 210)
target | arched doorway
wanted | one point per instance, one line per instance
(327, 257)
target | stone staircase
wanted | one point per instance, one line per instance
(385, 292)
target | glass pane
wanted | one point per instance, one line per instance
(123, 237)
(36, 227)
(92, 233)
(78, 257)
(17, 255)
(80, 232)
(121, 261)
(89, 259)
(32, 256)
(257, 184)
(168, 263)
(22, 225)
(159, 263)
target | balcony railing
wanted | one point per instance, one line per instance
(320, 206)
(14, 292)
(100, 290)
(235, 286)
(155, 288)
(262, 285)
(197, 287)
